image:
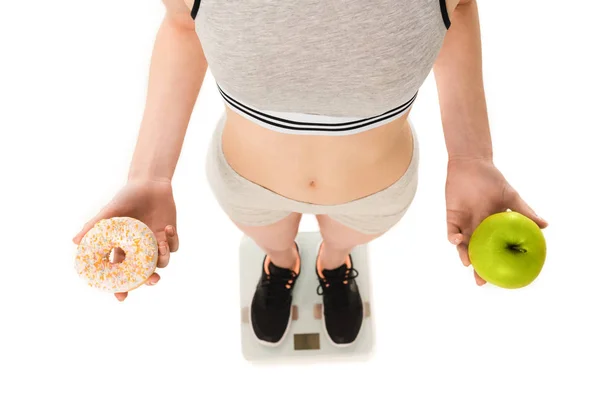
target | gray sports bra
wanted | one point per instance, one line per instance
(320, 67)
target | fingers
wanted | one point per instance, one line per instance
(121, 296)
(118, 255)
(519, 205)
(90, 224)
(478, 280)
(463, 253)
(163, 254)
(168, 242)
(454, 235)
(172, 238)
(460, 240)
(153, 280)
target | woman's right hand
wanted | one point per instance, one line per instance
(152, 203)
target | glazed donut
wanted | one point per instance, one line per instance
(93, 263)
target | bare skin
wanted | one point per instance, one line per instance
(372, 160)
(376, 158)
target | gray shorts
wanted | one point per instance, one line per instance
(250, 204)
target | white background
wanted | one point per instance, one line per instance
(73, 77)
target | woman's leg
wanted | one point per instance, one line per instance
(277, 240)
(338, 241)
(271, 306)
(342, 302)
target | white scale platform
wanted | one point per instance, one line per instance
(306, 338)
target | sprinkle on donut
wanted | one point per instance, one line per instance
(93, 263)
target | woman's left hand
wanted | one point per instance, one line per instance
(475, 189)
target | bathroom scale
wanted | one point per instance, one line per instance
(306, 339)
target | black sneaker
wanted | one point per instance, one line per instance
(271, 309)
(342, 303)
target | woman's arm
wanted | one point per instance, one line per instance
(475, 188)
(177, 70)
(458, 74)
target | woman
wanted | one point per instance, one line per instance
(318, 96)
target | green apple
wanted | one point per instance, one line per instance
(508, 250)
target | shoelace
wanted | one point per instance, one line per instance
(278, 285)
(337, 286)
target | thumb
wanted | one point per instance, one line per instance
(520, 206)
(105, 213)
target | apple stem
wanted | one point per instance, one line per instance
(517, 248)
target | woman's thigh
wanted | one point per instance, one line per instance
(275, 237)
(343, 237)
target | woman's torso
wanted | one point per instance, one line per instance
(352, 60)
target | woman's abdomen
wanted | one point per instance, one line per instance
(318, 169)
